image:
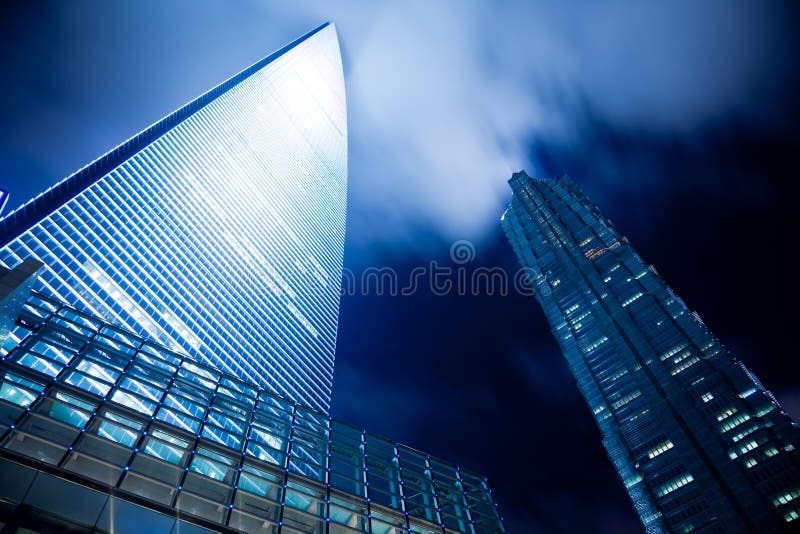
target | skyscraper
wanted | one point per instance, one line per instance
(698, 442)
(217, 231)
(215, 234)
(102, 430)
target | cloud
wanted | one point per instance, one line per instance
(445, 98)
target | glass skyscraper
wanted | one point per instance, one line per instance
(186, 288)
(102, 430)
(219, 230)
(698, 442)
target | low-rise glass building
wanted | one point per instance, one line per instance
(102, 429)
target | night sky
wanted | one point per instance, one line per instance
(679, 120)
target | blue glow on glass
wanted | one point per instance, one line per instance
(223, 236)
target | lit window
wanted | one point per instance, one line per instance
(707, 397)
(733, 422)
(626, 399)
(672, 352)
(745, 432)
(749, 446)
(632, 299)
(590, 347)
(632, 481)
(747, 393)
(673, 485)
(660, 449)
(685, 365)
(786, 497)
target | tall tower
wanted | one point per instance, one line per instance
(219, 230)
(698, 442)
(215, 235)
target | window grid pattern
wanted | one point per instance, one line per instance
(99, 401)
(651, 372)
(223, 235)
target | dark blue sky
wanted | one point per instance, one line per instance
(680, 120)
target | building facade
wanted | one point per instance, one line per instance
(219, 230)
(15, 286)
(698, 442)
(144, 439)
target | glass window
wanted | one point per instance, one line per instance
(134, 403)
(184, 405)
(177, 419)
(68, 410)
(18, 390)
(147, 390)
(41, 364)
(258, 481)
(212, 465)
(161, 354)
(266, 454)
(226, 421)
(155, 362)
(273, 436)
(166, 447)
(222, 436)
(117, 433)
(87, 383)
(201, 370)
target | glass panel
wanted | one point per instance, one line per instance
(258, 481)
(166, 447)
(119, 434)
(184, 405)
(17, 390)
(208, 468)
(226, 421)
(68, 414)
(181, 421)
(155, 362)
(266, 454)
(16, 395)
(200, 370)
(88, 383)
(149, 391)
(38, 363)
(134, 403)
(222, 436)
(212, 465)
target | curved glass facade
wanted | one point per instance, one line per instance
(218, 231)
(110, 413)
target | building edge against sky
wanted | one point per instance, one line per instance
(164, 234)
(698, 442)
